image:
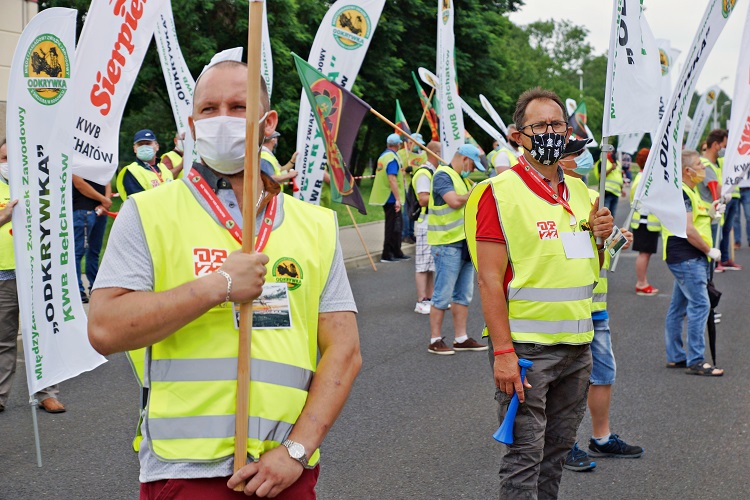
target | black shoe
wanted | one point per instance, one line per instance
(578, 460)
(615, 447)
(389, 260)
(404, 257)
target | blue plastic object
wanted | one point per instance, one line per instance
(504, 433)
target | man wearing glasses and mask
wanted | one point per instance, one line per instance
(531, 233)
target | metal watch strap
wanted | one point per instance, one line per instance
(303, 459)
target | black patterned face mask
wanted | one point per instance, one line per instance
(547, 148)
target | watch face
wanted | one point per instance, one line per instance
(296, 450)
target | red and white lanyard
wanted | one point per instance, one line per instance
(264, 234)
(550, 192)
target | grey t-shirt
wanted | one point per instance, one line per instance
(703, 189)
(127, 264)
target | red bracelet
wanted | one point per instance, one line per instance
(505, 351)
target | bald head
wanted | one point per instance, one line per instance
(228, 74)
(435, 147)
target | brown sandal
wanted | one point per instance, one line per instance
(705, 369)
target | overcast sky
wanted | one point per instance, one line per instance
(675, 20)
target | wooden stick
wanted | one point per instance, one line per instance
(396, 127)
(424, 112)
(249, 194)
(372, 263)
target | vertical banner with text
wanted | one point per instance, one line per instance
(110, 52)
(737, 158)
(450, 112)
(701, 116)
(179, 80)
(40, 130)
(660, 189)
(339, 48)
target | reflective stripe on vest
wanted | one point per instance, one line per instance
(381, 186)
(192, 373)
(599, 300)
(701, 220)
(614, 181)
(549, 295)
(7, 254)
(652, 222)
(147, 178)
(445, 224)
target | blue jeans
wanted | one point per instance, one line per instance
(733, 207)
(745, 202)
(689, 297)
(604, 368)
(88, 233)
(454, 277)
(610, 201)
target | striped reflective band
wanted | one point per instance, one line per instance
(446, 227)
(443, 211)
(551, 294)
(216, 427)
(551, 327)
(602, 273)
(600, 297)
(213, 369)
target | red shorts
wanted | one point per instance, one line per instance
(215, 488)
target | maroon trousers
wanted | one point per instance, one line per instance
(215, 488)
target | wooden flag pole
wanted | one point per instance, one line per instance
(249, 195)
(396, 127)
(424, 112)
(372, 263)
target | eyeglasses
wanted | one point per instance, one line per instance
(558, 127)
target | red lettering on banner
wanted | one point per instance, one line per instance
(208, 260)
(547, 230)
(744, 146)
(106, 81)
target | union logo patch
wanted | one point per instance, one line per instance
(287, 270)
(547, 230)
(47, 69)
(208, 260)
(351, 27)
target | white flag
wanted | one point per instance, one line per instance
(631, 100)
(110, 52)
(629, 143)
(701, 116)
(667, 58)
(339, 48)
(180, 82)
(660, 190)
(266, 57)
(491, 131)
(737, 159)
(493, 114)
(450, 113)
(40, 143)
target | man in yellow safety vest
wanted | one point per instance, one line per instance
(169, 284)
(145, 172)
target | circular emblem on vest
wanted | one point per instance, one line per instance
(195, 179)
(229, 224)
(287, 270)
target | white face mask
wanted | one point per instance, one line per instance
(220, 141)
(4, 170)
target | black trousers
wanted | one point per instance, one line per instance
(393, 227)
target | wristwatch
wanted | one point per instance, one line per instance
(296, 451)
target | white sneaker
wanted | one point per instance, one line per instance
(422, 307)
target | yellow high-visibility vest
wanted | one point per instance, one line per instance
(146, 178)
(652, 222)
(192, 373)
(420, 172)
(270, 158)
(701, 219)
(445, 224)
(381, 187)
(7, 254)
(549, 296)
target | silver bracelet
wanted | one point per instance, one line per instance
(229, 282)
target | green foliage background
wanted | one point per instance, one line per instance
(494, 57)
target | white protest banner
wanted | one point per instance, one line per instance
(491, 131)
(631, 100)
(110, 52)
(451, 116)
(629, 143)
(40, 144)
(339, 48)
(667, 58)
(660, 190)
(701, 116)
(493, 114)
(737, 159)
(180, 82)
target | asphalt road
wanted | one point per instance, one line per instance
(418, 426)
